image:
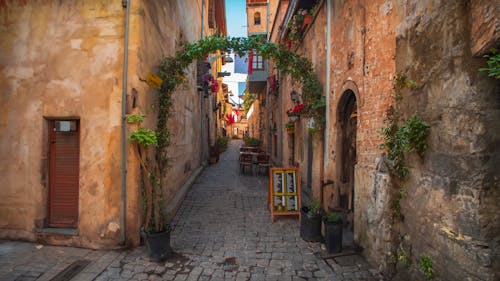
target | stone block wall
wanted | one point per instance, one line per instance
(451, 210)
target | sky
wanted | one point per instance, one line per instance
(236, 22)
(236, 18)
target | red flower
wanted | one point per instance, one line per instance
(297, 110)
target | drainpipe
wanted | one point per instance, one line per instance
(328, 85)
(268, 123)
(327, 90)
(201, 95)
(125, 4)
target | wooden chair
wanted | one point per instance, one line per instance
(263, 162)
(245, 161)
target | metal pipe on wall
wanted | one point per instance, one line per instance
(327, 90)
(328, 85)
(201, 95)
(125, 4)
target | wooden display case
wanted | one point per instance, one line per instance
(284, 192)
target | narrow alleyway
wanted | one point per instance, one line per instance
(222, 231)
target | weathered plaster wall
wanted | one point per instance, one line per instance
(451, 212)
(66, 60)
(60, 60)
(156, 31)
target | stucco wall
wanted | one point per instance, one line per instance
(451, 211)
(60, 60)
(66, 60)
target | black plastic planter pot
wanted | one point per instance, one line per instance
(310, 226)
(333, 236)
(158, 245)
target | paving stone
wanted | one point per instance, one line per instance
(181, 277)
(224, 215)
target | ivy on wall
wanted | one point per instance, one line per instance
(402, 137)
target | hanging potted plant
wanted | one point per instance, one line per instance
(155, 228)
(333, 233)
(295, 112)
(310, 222)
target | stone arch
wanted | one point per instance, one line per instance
(347, 116)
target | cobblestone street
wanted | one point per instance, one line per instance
(222, 231)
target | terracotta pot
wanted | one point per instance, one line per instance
(307, 21)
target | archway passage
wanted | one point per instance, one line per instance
(172, 73)
(347, 116)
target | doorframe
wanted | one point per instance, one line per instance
(49, 121)
(349, 91)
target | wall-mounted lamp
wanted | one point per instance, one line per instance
(228, 59)
(294, 96)
(222, 74)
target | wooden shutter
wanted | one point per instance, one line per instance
(64, 173)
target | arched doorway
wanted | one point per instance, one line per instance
(347, 127)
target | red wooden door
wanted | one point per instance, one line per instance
(64, 173)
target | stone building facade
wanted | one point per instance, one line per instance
(62, 79)
(360, 50)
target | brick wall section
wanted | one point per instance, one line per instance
(363, 49)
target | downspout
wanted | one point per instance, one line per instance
(125, 4)
(327, 90)
(202, 92)
(268, 123)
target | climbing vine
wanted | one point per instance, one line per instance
(493, 63)
(172, 72)
(401, 137)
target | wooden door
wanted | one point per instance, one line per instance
(64, 173)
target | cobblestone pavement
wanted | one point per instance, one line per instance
(222, 231)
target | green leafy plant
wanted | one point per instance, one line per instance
(249, 141)
(411, 136)
(332, 217)
(144, 137)
(314, 209)
(426, 267)
(396, 206)
(221, 142)
(248, 100)
(493, 63)
(290, 125)
(155, 219)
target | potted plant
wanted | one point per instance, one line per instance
(155, 228)
(290, 127)
(310, 222)
(333, 233)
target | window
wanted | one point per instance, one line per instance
(256, 18)
(257, 63)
